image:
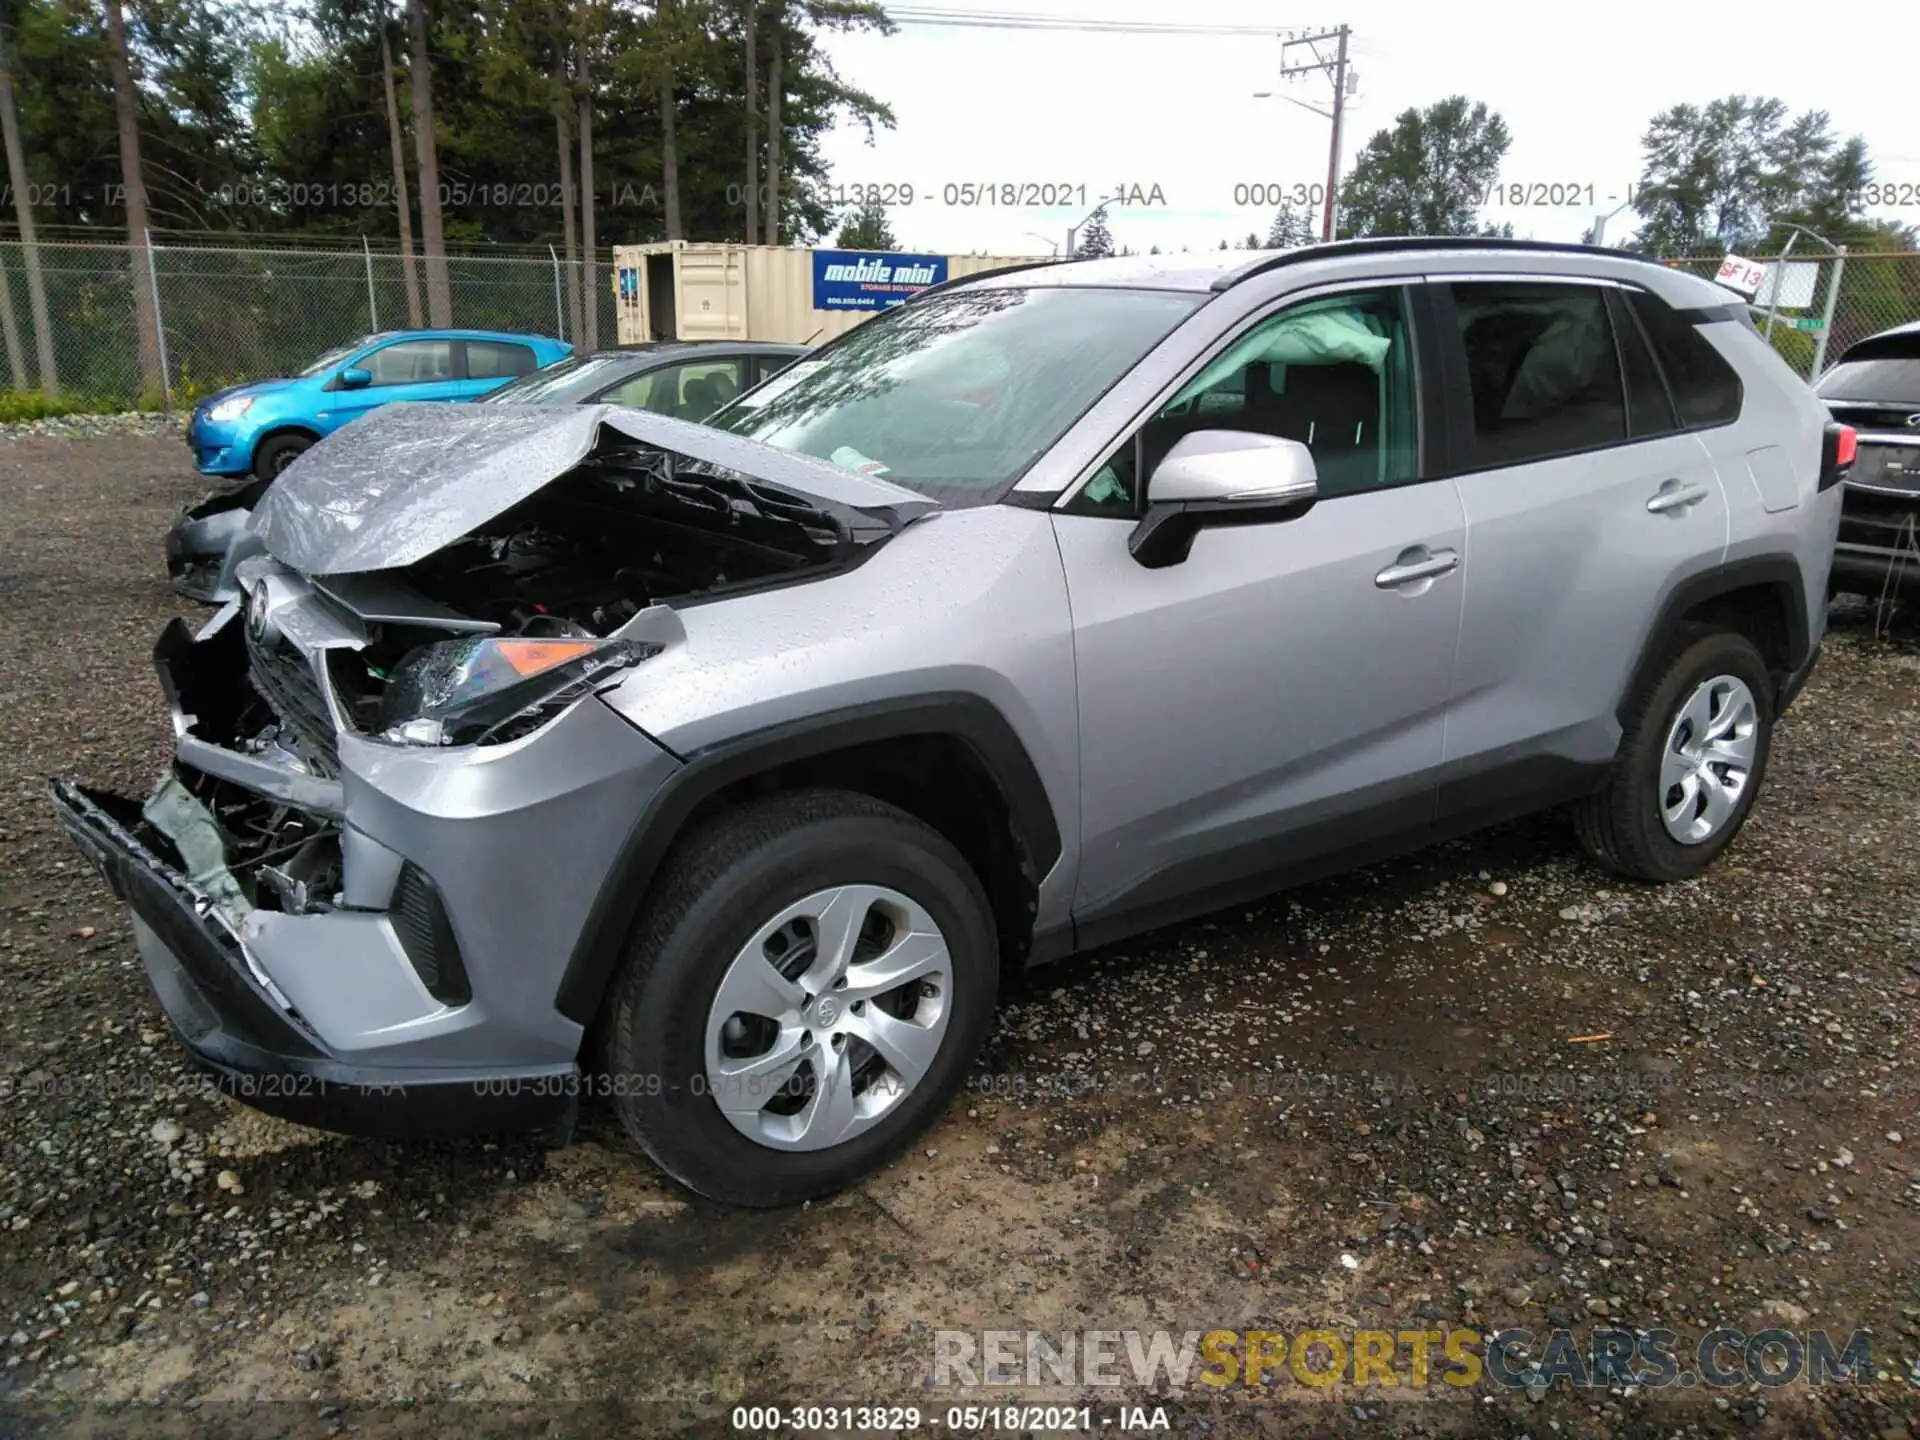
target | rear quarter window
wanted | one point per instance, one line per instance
(1706, 389)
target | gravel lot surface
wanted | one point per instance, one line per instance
(1483, 1086)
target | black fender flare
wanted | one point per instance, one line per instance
(956, 714)
(1781, 572)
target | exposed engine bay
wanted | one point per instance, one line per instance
(625, 530)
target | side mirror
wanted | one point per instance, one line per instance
(354, 378)
(1221, 477)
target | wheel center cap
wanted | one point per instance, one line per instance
(826, 1010)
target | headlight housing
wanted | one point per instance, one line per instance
(231, 409)
(482, 688)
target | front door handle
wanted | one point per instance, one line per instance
(1415, 565)
(1674, 497)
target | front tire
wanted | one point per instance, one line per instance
(1690, 766)
(277, 452)
(801, 998)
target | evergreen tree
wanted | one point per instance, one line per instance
(1096, 240)
(867, 229)
(1291, 229)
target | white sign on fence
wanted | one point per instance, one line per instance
(1745, 276)
(1789, 286)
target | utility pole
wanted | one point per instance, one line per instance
(1337, 67)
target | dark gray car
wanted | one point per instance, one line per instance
(687, 380)
(1876, 389)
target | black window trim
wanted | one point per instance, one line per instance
(1428, 411)
(1620, 313)
(1462, 457)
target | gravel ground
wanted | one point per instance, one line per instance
(84, 427)
(1483, 1086)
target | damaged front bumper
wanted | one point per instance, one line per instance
(245, 1036)
(393, 968)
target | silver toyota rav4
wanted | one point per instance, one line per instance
(726, 770)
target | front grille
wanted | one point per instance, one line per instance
(426, 934)
(288, 683)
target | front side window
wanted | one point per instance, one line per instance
(1542, 370)
(491, 359)
(1336, 374)
(332, 359)
(411, 362)
(957, 394)
(686, 392)
(571, 381)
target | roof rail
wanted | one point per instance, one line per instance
(1388, 244)
(983, 275)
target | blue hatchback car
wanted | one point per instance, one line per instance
(257, 429)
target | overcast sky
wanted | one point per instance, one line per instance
(1575, 83)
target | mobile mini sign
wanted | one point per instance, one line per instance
(872, 279)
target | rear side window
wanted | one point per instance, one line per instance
(1542, 370)
(1705, 388)
(490, 359)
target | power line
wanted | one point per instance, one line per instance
(1085, 25)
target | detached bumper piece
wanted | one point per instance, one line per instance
(252, 1046)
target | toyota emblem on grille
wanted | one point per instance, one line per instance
(1913, 422)
(259, 624)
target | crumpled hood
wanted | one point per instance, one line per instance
(406, 480)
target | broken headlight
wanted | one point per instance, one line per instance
(467, 692)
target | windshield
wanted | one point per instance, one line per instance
(565, 382)
(1893, 382)
(955, 396)
(339, 355)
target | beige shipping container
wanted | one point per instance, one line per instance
(688, 290)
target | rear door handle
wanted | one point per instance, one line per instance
(1674, 496)
(1417, 564)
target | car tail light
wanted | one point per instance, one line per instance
(1842, 442)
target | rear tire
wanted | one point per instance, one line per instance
(1690, 766)
(277, 452)
(723, 1093)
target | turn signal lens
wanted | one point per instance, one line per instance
(530, 657)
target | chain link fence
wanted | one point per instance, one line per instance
(231, 314)
(1876, 291)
